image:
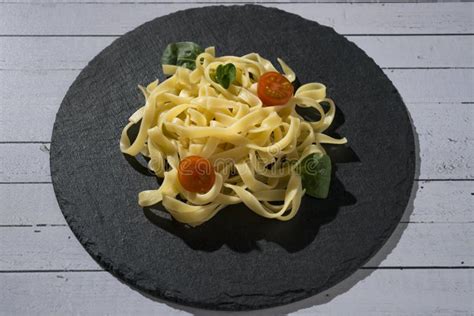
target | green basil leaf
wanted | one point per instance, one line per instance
(315, 171)
(181, 54)
(225, 75)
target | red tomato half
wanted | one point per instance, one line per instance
(196, 174)
(274, 89)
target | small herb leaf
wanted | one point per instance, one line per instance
(225, 75)
(315, 171)
(181, 54)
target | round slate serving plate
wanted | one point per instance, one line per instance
(237, 260)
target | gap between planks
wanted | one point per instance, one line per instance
(343, 34)
(361, 268)
(416, 180)
(261, 2)
(383, 68)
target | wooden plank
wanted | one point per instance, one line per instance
(418, 51)
(445, 144)
(414, 85)
(433, 85)
(27, 122)
(32, 204)
(51, 52)
(77, 19)
(444, 147)
(24, 163)
(387, 51)
(370, 293)
(443, 202)
(434, 202)
(42, 248)
(56, 248)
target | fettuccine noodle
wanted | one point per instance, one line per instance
(248, 144)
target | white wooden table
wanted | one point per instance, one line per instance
(426, 268)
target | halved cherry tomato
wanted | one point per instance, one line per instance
(274, 89)
(196, 174)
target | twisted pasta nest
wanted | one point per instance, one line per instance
(253, 148)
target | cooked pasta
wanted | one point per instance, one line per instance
(253, 149)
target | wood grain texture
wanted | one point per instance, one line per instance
(387, 51)
(443, 202)
(24, 162)
(374, 293)
(435, 202)
(29, 204)
(418, 51)
(384, 292)
(445, 148)
(443, 155)
(80, 19)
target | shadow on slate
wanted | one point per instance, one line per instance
(237, 261)
(240, 229)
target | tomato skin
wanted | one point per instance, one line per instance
(196, 174)
(274, 89)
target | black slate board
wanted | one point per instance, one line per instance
(237, 260)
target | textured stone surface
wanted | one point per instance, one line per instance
(237, 260)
